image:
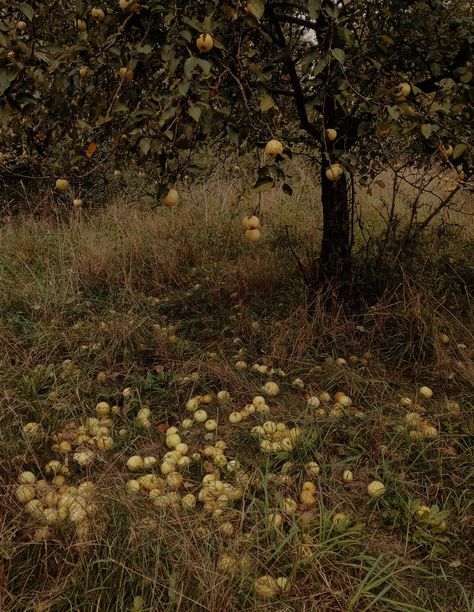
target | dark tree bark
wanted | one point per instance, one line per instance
(335, 254)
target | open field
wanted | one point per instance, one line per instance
(147, 310)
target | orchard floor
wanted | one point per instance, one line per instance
(145, 311)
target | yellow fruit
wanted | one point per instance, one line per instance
(171, 198)
(249, 223)
(271, 389)
(84, 458)
(273, 148)
(331, 134)
(347, 476)
(105, 443)
(283, 584)
(97, 13)
(334, 172)
(252, 235)
(173, 441)
(235, 417)
(313, 469)
(227, 563)
(204, 43)
(25, 493)
(200, 416)
(402, 90)
(223, 396)
(77, 510)
(428, 431)
(210, 425)
(426, 392)
(310, 487)
(129, 5)
(102, 409)
(307, 498)
(62, 185)
(274, 520)
(21, 26)
(227, 529)
(81, 25)
(376, 488)
(77, 202)
(446, 151)
(135, 463)
(266, 587)
(188, 502)
(444, 338)
(83, 71)
(313, 402)
(325, 396)
(35, 508)
(27, 478)
(174, 480)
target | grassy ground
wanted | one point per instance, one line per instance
(145, 311)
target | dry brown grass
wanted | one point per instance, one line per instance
(93, 289)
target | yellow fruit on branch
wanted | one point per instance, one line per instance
(83, 71)
(334, 172)
(171, 198)
(331, 134)
(97, 13)
(204, 43)
(129, 5)
(126, 74)
(273, 148)
(81, 25)
(62, 185)
(252, 235)
(21, 26)
(77, 202)
(249, 223)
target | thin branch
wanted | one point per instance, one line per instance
(307, 280)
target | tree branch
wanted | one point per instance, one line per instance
(294, 79)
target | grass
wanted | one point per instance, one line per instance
(80, 304)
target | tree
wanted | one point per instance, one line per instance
(393, 78)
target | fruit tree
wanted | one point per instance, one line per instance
(359, 83)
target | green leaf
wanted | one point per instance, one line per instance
(466, 77)
(189, 66)
(266, 103)
(234, 135)
(459, 150)
(339, 55)
(194, 112)
(264, 183)
(426, 130)
(257, 8)
(183, 88)
(314, 7)
(145, 145)
(394, 112)
(27, 10)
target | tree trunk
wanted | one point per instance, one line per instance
(335, 255)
